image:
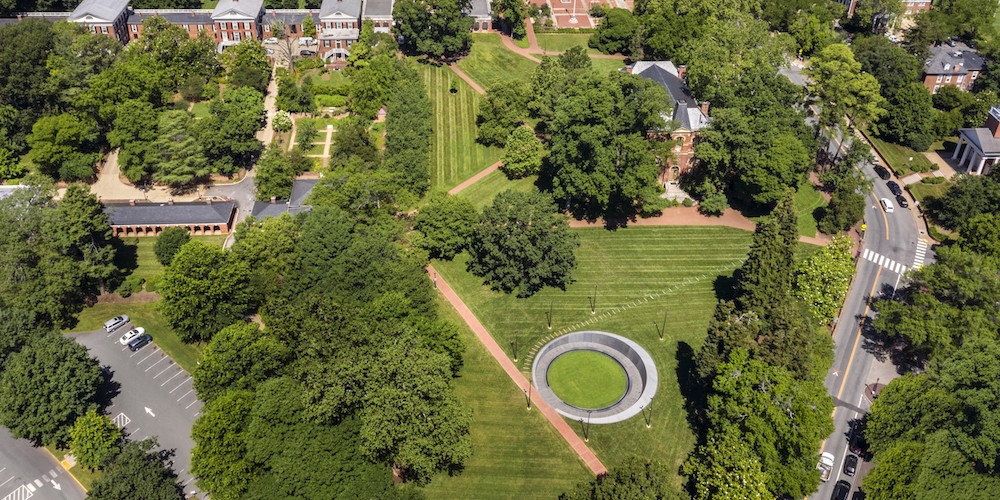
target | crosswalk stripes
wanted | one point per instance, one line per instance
(918, 260)
(883, 261)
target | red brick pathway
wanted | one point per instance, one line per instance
(564, 430)
(472, 83)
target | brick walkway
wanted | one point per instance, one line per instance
(560, 425)
(472, 83)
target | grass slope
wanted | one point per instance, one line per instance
(515, 453)
(455, 155)
(587, 379)
(606, 65)
(482, 193)
(807, 200)
(560, 42)
(489, 61)
(640, 273)
(898, 157)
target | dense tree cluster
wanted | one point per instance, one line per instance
(762, 366)
(634, 478)
(968, 197)
(137, 471)
(438, 29)
(934, 434)
(74, 94)
(408, 124)
(847, 186)
(352, 374)
(758, 146)
(447, 223)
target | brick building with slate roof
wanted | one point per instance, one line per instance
(687, 114)
(148, 219)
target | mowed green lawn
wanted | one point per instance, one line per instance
(482, 193)
(640, 273)
(561, 42)
(490, 62)
(606, 65)
(515, 452)
(807, 200)
(455, 155)
(587, 379)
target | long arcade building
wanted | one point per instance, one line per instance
(338, 22)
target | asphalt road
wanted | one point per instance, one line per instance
(30, 472)
(155, 397)
(892, 245)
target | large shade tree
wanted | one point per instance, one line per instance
(522, 244)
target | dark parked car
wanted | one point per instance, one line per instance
(138, 342)
(896, 190)
(857, 443)
(851, 465)
(307, 52)
(841, 491)
(882, 173)
(902, 201)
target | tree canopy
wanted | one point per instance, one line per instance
(435, 28)
(522, 244)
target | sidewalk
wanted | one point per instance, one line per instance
(560, 425)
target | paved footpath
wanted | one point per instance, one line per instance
(475, 178)
(564, 430)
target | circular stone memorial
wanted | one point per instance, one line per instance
(599, 376)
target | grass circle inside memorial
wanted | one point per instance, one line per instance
(587, 379)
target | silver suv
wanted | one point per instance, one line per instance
(115, 323)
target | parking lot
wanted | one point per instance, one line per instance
(155, 396)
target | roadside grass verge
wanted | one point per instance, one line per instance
(807, 200)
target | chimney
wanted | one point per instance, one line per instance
(274, 199)
(993, 122)
(131, 203)
(628, 69)
(682, 71)
(209, 202)
(704, 107)
(170, 201)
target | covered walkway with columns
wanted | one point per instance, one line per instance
(978, 149)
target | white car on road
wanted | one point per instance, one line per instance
(131, 334)
(270, 41)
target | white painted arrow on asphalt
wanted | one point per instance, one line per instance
(150, 412)
(56, 485)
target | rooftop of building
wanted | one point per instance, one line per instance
(175, 16)
(6, 191)
(244, 8)
(287, 16)
(378, 8)
(479, 8)
(165, 214)
(349, 8)
(106, 10)
(953, 57)
(686, 111)
(296, 203)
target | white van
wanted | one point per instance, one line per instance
(307, 41)
(887, 205)
(115, 323)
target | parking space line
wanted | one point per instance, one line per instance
(185, 483)
(171, 378)
(7, 481)
(134, 431)
(144, 359)
(185, 395)
(161, 372)
(192, 403)
(179, 385)
(154, 364)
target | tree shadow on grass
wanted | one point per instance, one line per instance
(725, 287)
(692, 389)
